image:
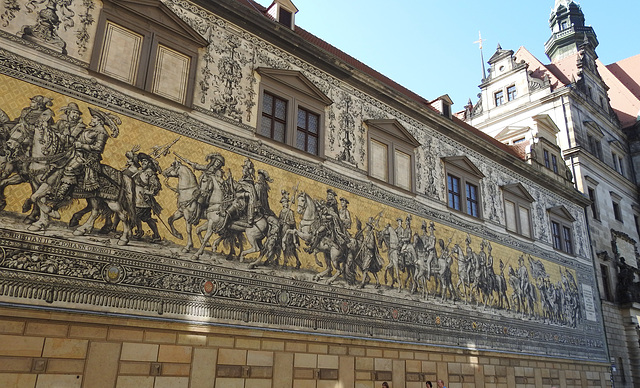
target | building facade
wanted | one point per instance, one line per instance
(349, 232)
(567, 118)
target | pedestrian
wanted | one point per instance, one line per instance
(385, 385)
(429, 384)
(441, 384)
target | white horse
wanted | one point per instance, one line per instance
(187, 204)
(46, 149)
(219, 201)
(333, 256)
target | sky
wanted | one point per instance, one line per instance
(427, 46)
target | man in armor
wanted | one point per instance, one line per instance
(147, 186)
(245, 197)
(331, 225)
(210, 171)
(83, 169)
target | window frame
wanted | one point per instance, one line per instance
(520, 197)
(299, 93)
(512, 93)
(176, 36)
(498, 98)
(396, 139)
(461, 168)
(561, 227)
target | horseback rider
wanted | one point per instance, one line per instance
(210, 171)
(70, 126)
(146, 188)
(245, 198)
(331, 224)
(84, 168)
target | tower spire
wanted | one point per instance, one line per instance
(479, 41)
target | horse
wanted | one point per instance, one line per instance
(334, 256)
(14, 167)
(220, 199)
(186, 201)
(46, 167)
(524, 297)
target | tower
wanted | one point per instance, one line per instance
(568, 31)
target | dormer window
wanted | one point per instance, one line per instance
(283, 11)
(285, 17)
(564, 25)
(443, 104)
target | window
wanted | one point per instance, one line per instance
(554, 163)
(564, 25)
(274, 116)
(292, 110)
(517, 209)
(285, 17)
(616, 211)
(606, 286)
(511, 93)
(562, 229)
(620, 166)
(594, 146)
(499, 98)
(391, 153)
(307, 135)
(463, 186)
(144, 45)
(547, 163)
(594, 204)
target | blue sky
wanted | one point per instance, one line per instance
(427, 46)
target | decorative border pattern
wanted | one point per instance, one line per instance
(51, 270)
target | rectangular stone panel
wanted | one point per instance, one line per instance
(121, 51)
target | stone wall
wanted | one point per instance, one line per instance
(49, 349)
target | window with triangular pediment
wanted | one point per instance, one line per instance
(517, 209)
(391, 153)
(291, 110)
(562, 229)
(463, 186)
(144, 44)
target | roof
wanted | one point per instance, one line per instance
(623, 80)
(322, 45)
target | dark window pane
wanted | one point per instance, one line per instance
(300, 141)
(278, 132)
(265, 128)
(568, 246)
(313, 124)
(267, 103)
(312, 145)
(281, 109)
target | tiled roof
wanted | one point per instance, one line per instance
(322, 45)
(623, 80)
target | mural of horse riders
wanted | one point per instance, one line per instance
(62, 162)
(61, 165)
